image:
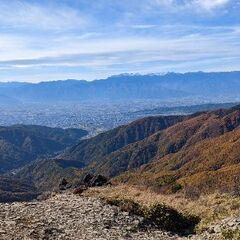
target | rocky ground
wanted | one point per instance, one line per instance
(67, 216)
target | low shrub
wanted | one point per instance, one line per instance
(127, 205)
(176, 187)
(230, 234)
(158, 216)
(168, 182)
(164, 181)
(167, 218)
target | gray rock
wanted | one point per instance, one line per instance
(68, 216)
(217, 229)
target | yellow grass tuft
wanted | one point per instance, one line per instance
(209, 208)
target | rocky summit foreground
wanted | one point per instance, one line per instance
(67, 216)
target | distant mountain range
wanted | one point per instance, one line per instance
(5, 100)
(196, 154)
(127, 87)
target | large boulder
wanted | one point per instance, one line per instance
(91, 180)
(64, 185)
(87, 179)
(98, 181)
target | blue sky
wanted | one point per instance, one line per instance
(90, 39)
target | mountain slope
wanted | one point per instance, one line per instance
(166, 141)
(22, 144)
(47, 173)
(15, 190)
(211, 164)
(91, 150)
(190, 152)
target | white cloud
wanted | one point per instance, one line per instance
(211, 4)
(23, 15)
(144, 26)
(128, 51)
(193, 5)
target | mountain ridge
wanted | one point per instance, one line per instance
(129, 87)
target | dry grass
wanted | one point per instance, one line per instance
(209, 208)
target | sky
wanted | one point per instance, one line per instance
(92, 39)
